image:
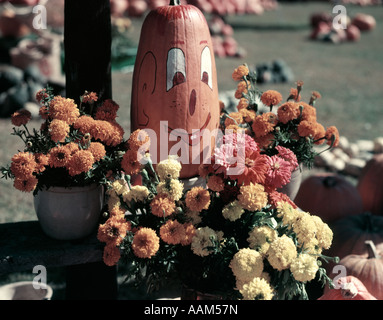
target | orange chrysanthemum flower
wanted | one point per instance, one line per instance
(264, 124)
(248, 115)
(271, 98)
(89, 97)
(172, 232)
(215, 183)
(288, 112)
(111, 255)
(320, 133)
(145, 243)
(101, 130)
(332, 136)
(58, 130)
(116, 134)
(41, 94)
(84, 124)
(43, 112)
(26, 184)
(242, 87)
(64, 109)
(309, 112)
(41, 160)
(197, 199)
(21, 117)
(98, 150)
(234, 118)
(59, 156)
(240, 72)
(130, 163)
(23, 165)
(294, 95)
(107, 111)
(73, 147)
(190, 232)
(307, 128)
(113, 230)
(162, 205)
(137, 139)
(265, 142)
(242, 104)
(81, 161)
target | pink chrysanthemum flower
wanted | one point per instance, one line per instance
(288, 155)
(279, 172)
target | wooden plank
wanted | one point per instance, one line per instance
(24, 245)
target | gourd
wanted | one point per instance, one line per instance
(350, 288)
(329, 196)
(370, 185)
(367, 268)
(175, 91)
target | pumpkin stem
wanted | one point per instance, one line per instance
(329, 182)
(372, 252)
(175, 3)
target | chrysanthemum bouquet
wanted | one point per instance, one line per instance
(237, 238)
(75, 145)
(271, 122)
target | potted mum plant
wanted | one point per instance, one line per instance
(238, 238)
(66, 161)
(272, 122)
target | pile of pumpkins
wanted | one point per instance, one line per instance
(323, 30)
(136, 8)
(354, 212)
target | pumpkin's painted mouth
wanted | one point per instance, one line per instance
(191, 138)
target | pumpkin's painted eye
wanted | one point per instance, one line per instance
(175, 68)
(206, 68)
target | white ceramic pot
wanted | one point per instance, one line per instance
(24, 290)
(291, 189)
(69, 213)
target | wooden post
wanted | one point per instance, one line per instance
(87, 43)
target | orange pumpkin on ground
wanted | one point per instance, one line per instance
(370, 185)
(329, 196)
(350, 288)
(350, 235)
(368, 269)
(175, 91)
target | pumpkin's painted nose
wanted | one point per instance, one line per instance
(192, 102)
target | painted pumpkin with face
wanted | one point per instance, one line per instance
(175, 92)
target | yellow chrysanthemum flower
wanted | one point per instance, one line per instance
(287, 213)
(203, 239)
(246, 264)
(304, 227)
(281, 253)
(324, 233)
(232, 211)
(174, 188)
(261, 237)
(136, 193)
(169, 168)
(304, 267)
(119, 186)
(252, 197)
(257, 289)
